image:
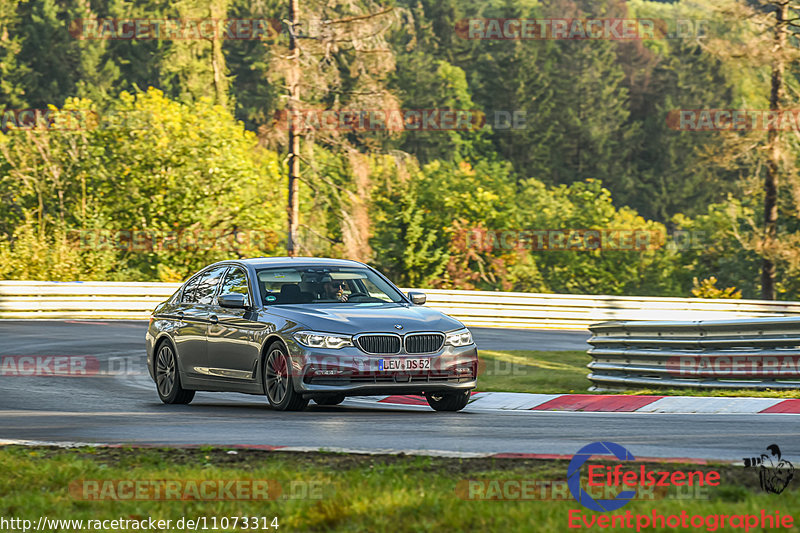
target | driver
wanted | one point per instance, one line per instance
(334, 290)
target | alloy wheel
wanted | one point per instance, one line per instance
(165, 370)
(277, 376)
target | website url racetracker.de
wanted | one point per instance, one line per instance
(46, 524)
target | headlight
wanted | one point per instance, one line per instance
(312, 339)
(461, 337)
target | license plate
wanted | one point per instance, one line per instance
(403, 365)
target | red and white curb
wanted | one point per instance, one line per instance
(605, 403)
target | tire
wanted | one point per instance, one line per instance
(329, 400)
(448, 401)
(168, 378)
(278, 384)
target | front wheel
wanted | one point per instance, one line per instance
(278, 381)
(168, 379)
(448, 401)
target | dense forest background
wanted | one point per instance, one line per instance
(179, 153)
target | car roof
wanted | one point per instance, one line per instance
(264, 262)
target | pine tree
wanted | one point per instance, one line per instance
(12, 72)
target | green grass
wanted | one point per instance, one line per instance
(359, 493)
(565, 372)
(527, 371)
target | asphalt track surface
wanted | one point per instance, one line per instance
(124, 408)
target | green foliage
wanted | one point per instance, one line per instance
(708, 289)
(719, 248)
(588, 206)
(163, 162)
(405, 244)
(189, 180)
(31, 255)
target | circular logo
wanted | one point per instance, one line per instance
(574, 476)
(398, 326)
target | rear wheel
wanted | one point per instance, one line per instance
(278, 381)
(329, 400)
(168, 379)
(448, 401)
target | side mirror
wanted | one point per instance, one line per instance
(417, 298)
(232, 301)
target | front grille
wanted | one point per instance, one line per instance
(382, 344)
(424, 343)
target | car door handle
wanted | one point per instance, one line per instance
(213, 319)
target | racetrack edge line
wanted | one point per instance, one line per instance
(325, 449)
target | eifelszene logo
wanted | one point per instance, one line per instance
(612, 477)
(574, 476)
(774, 472)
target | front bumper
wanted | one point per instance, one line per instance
(150, 340)
(351, 372)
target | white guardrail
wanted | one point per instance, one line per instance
(121, 300)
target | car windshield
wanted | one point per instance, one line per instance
(330, 285)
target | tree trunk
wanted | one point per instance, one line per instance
(774, 157)
(293, 80)
(218, 62)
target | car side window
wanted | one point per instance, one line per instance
(235, 282)
(207, 284)
(189, 291)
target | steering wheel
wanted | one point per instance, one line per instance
(357, 294)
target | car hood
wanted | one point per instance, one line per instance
(360, 318)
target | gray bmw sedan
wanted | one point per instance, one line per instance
(300, 329)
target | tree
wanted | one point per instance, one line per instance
(12, 71)
(336, 59)
(762, 48)
(775, 147)
(187, 181)
(196, 68)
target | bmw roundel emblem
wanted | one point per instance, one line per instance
(398, 326)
